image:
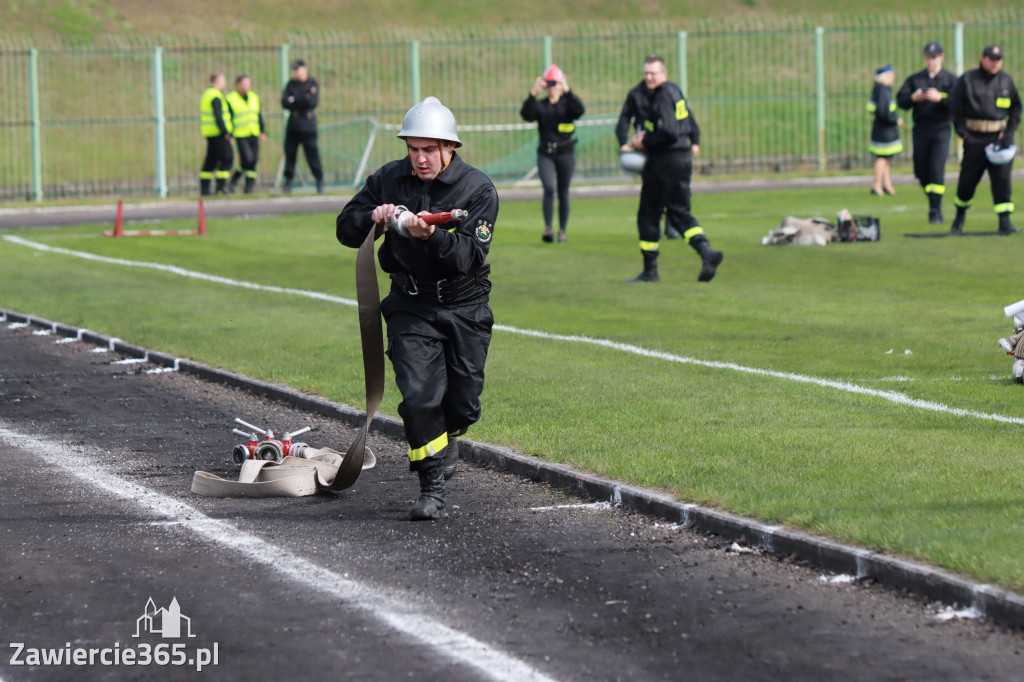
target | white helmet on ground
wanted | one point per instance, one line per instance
(432, 120)
(632, 162)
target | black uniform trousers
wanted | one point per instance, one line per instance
(308, 139)
(972, 169)
(218, 161)
(931, 149)
(438, 354)
(555, 172)
(662, 176)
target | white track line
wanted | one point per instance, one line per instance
(844, 386)
(444, 640)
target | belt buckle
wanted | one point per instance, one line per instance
(410, 286)
(438, 290)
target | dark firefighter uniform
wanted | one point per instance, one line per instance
(301, 98)
(216, 127)
(556, 159)
(634, 113)
(437, 313)
(931, 133)
(885, 130)
(248, 122)
(670, 133)
(986, 109)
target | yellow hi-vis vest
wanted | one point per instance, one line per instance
(245, 114)
(206, 118)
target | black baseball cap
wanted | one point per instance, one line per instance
(297, 63)
(992, 52)
(933, 49)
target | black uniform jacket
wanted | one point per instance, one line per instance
(981, 95)
(554, 121)
(634, 113)
(455, 249)
(301, 98)
(927, 113)
(670, 125)
(885, 127)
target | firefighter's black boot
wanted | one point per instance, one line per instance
(234, 181)
(710, 258)
(320, 186)
(204, 188)
(650, 273)
(222, 185)
(957, 228)
(431, 504)
(1005, 227)
(249, 184)
(287, 186)
(935, 209)
(450, 461)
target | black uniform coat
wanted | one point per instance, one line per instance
(554, 121)
(301, 98)
(885, 127)
(455, 249)
(670, 125)
(927, 113)
(981, 95)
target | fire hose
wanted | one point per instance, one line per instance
(320, 469)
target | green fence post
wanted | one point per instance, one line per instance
(548, 56)
(414, 71)
(681, 60)
(819, 69)
(282, 60)
(33, 94)
(958, 47)
(161, 122)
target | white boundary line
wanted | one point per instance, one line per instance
(430, 633)
(844, 386)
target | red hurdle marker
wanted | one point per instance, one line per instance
(119, 230)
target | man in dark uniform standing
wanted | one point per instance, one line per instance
(927, 93)
(986, 111)
(300, 97)
(437, 313)
(215, 125)
(631, 119)
(669, 139)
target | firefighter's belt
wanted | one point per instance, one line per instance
(982, 125)
(295, 475)
(446, 290)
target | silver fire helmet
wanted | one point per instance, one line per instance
(432, 120)
(1000, 156)
(632, 162)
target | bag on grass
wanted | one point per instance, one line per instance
(802, 232)
(858, 228)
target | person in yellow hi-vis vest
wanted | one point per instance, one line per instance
(216, 127)
(249, 131)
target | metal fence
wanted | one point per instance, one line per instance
(124, 120)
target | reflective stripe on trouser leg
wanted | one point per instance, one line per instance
(648, 246)
(935, 189)
(695, 231)
(431, 449)
(1003, 208)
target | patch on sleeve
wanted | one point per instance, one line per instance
(483, 231)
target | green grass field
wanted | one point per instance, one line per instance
(876, 469)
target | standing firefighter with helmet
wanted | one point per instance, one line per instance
(437, 313)
(927, 93)
(249, 130)
(215, 125)
(669, 139)
(986, 114)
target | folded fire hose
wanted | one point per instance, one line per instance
(322, 469)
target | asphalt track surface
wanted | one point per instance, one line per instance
(520, 582)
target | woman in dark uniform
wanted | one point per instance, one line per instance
(885, 131)
(555, 116)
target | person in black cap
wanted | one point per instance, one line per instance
(300, 97)
(986, 111)
(885, 130)
(927, 93)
